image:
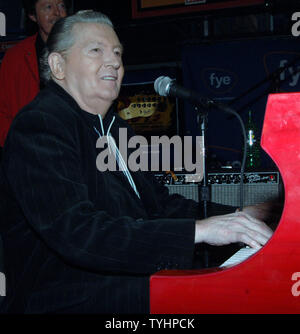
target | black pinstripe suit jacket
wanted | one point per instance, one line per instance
(76, 239)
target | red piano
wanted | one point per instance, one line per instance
(269, 280)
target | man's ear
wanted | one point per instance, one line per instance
(57, 65)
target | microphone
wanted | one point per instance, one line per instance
(165, 86)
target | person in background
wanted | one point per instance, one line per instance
(19, 71)
(78, 239)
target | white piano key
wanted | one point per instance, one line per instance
(239, 256)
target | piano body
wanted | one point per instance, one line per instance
(269, 280)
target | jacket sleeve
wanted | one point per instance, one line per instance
(19, 80)
(6, 93)
(42, 165)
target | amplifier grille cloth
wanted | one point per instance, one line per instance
(229, 194)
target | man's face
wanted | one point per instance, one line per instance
(47, 12)
(93, 69)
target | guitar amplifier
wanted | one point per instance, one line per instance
(225, 187)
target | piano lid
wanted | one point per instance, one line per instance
(269, 280)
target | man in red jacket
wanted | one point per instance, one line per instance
(19, 71)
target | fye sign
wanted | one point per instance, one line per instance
(288, 64)
(2, 24)
(289, 73)
(219, 80)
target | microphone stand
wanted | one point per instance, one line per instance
(208, 103)
(203, 188)
(164, 86)
(204, 193)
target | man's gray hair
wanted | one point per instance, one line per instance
(62, 37)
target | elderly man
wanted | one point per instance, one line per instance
(19, 71)
(77, 239)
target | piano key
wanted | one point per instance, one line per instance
(239, 256)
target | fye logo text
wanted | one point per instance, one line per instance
(2, 285)
(289, 73)
(219, 80)
(286, 66)
(296, 26)
(2, 24)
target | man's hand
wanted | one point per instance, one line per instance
(269, 212)
(232, 228)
